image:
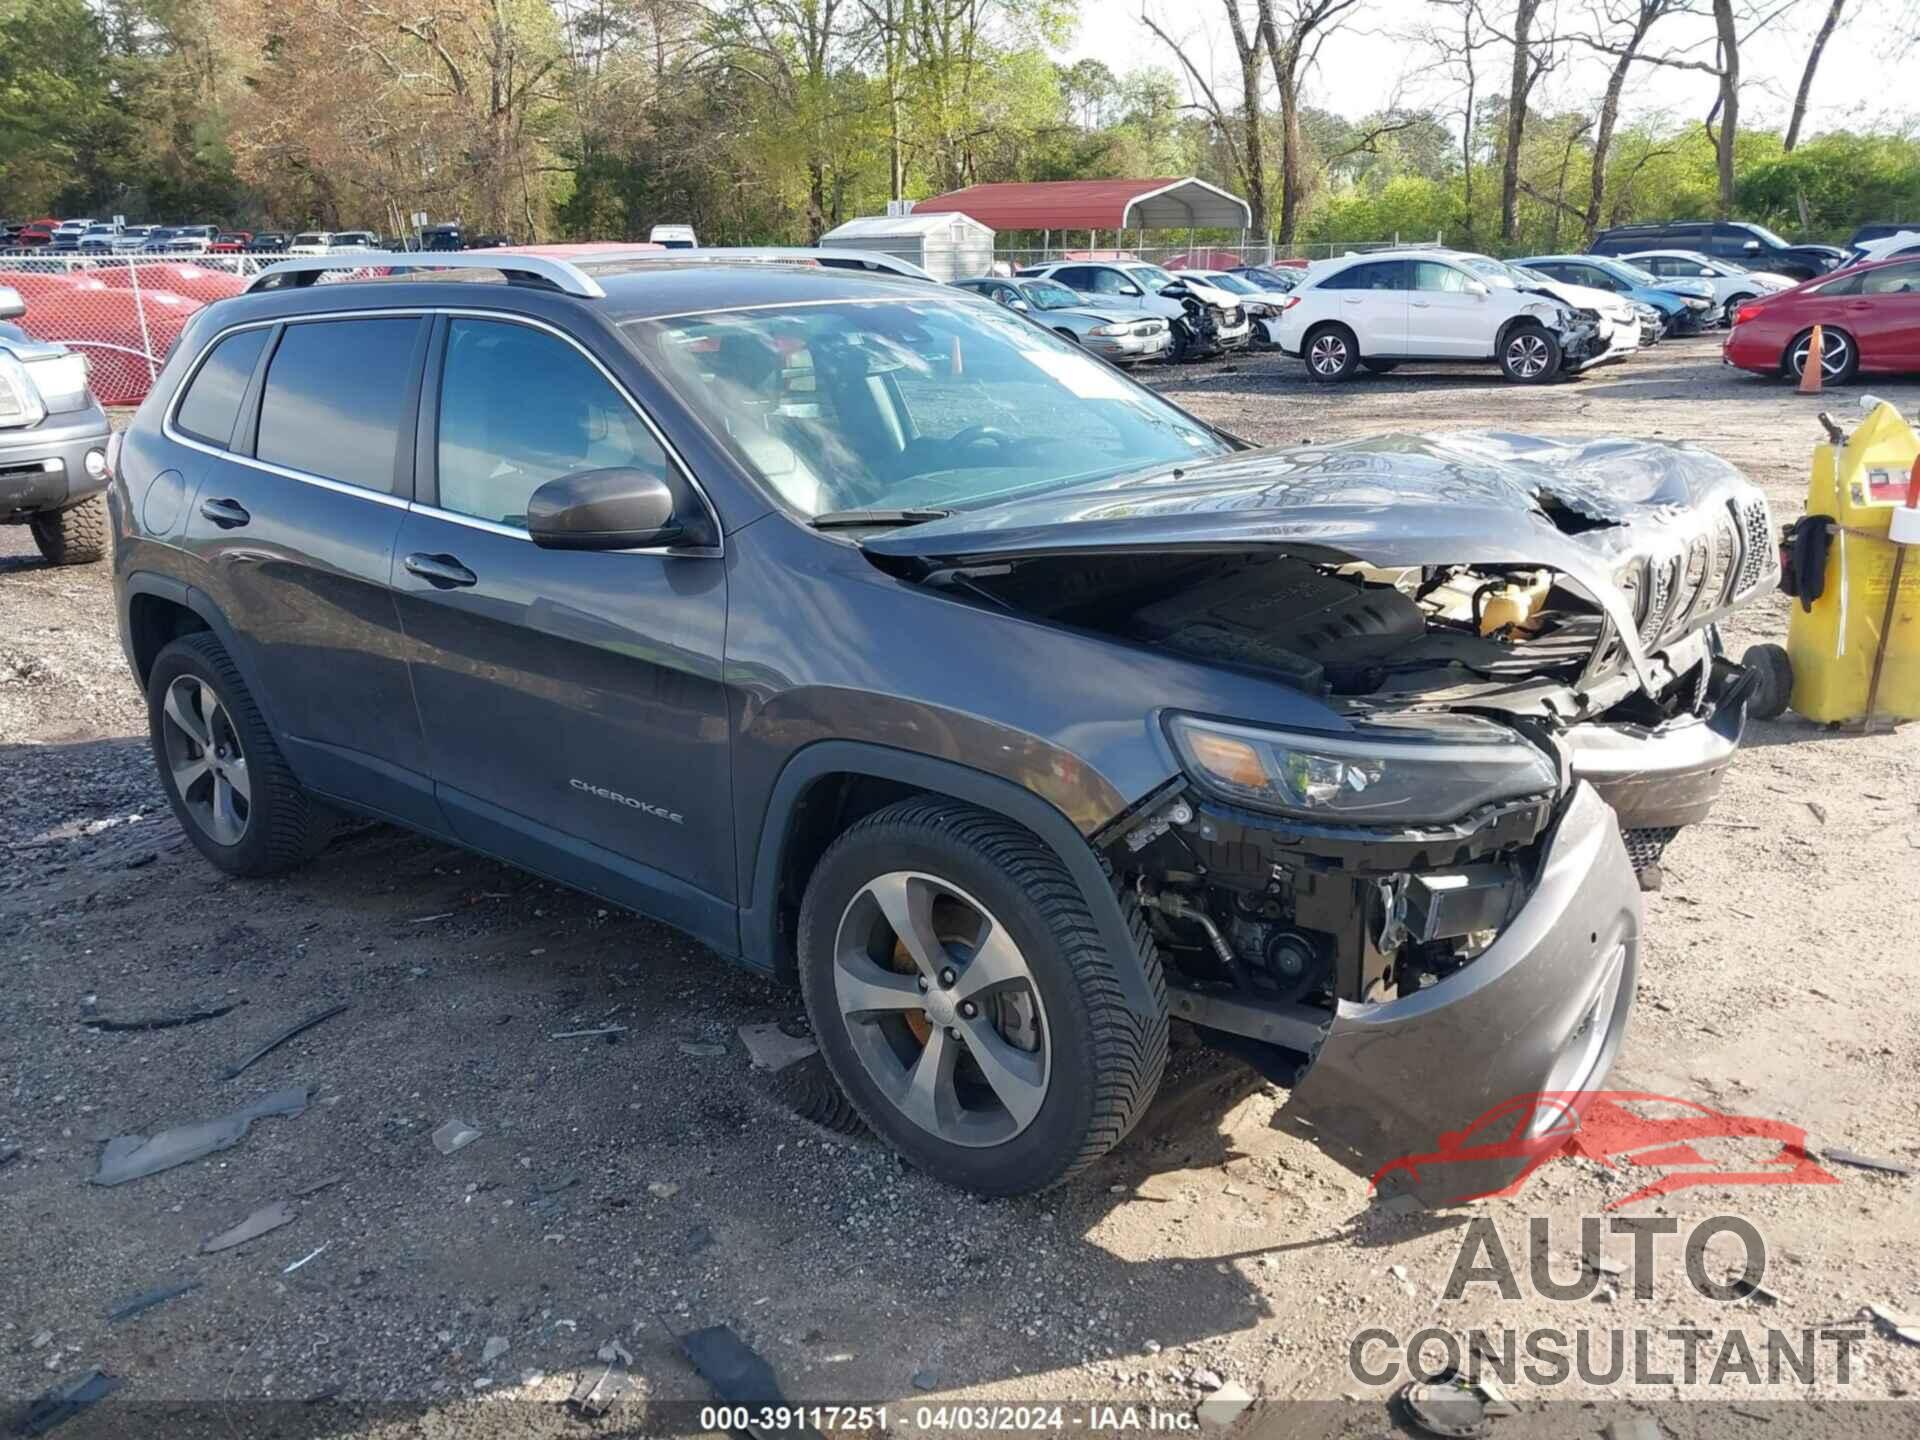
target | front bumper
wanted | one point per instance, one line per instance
(44, 468)
(1541, 1010)
(1130, 348)
(1665, 776)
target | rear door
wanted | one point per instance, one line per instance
(307, 480)
(572, 700)
(1371, 300)
(1445, 317)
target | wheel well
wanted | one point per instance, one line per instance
(1506, 331)
(1344, 329)
(155, 622)
(825, 810)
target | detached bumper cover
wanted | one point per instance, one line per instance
(1659, 776)
(1541, 1009)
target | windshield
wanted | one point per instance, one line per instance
(310, 237)
(1768, 237)
(1493, 271)
(1150, 277)
(1633, 273)
(1272, 279)
(910, 403)
(1231, 283)
(1051, 295)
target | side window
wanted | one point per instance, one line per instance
(335, 398)
(520, 407)
(1591, 276)
(1845, 285)
(1729, 242)
(212, 402)
(1109, 282)
(1894, 280)
(1432, 275)
(1075, 277)
(1381, 275)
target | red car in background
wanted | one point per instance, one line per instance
(124, 336)
(1869, 319)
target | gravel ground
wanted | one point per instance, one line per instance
(635, 1189)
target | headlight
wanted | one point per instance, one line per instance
(1694, 302)
(20, 402)
(1110, 329)
(1414, 770)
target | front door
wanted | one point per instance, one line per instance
(572, 701)
(308, 433)
(1446, 314)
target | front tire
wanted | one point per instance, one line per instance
(224, 775)
(77, 536)
(962, 996)
(1331, 353)
(1530, 355)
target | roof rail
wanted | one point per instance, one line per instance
(305, 269)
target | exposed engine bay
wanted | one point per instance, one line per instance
(1267, 922)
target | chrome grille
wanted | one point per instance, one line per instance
(1661, 583)
(1756, 536)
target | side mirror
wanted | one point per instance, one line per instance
(1752, 247)
(1477, 287)
(12, 307)
(620, 508)
(1019, 305)
(1175, 290)
(1126, 289)
(1704, 273)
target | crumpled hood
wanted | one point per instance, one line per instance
(1486, 497)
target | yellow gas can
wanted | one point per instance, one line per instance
(1834, 644)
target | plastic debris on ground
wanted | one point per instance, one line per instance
(285, 1035)
(454, 1135)
(737, 1374)
(596, 1390)
(93, 1020)
(129, 1157)
(772, 1049)
(1446, 1406)
(63, 1402)
(1896, 1323)
(147, 1300)
(1224, 1406)
(1866, 1162)
(263, 1221)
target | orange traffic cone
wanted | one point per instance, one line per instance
(1811, 372)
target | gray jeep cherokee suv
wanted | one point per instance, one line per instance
(895, 647)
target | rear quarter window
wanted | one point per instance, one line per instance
(335, 396)
(212, 401)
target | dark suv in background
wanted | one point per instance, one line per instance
(900, 649)
(1751, 245)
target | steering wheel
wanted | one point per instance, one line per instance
(975, 434)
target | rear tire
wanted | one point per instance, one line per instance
(72, 537)
(1832, 343)
(962, 1094)
(224, 775)
(1331, 353)
(1530, 355)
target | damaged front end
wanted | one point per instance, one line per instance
(1427, 904)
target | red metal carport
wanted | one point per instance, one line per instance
(1165, 203)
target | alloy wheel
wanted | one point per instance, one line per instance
(942, 1009)
(1327, 355)
(1528, 356)
(205, 758)
(1834, 355)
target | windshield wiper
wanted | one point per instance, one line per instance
(855, 519)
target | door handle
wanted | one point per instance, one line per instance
(1349, 299)
(441, 571)
(1419, 304)
(227, 514)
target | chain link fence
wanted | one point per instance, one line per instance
(123, 312)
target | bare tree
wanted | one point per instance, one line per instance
(1458, 48)
(1294, 31)
(1242, 131)
(1527, 67)
(1825, 33)
(1639, 17)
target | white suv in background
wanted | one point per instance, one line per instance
(1379, 310)
(1732, 283)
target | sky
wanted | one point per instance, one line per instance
(1376, 62)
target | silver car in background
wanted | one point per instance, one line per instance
(1125, 337)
